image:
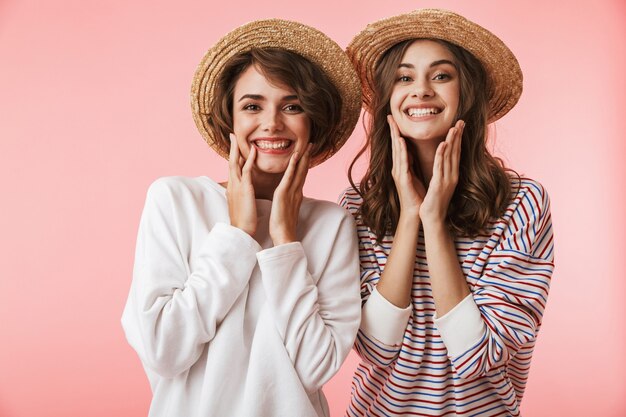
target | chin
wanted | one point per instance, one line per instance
(272, 168)
(418, 134)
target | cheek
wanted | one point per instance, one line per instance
(242, 125)
(453, 99)
(395, 102)
(302, 128)
(241, 129)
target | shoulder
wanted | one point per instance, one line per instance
(324, 209)
(527, 224)
(351, 200)
(528, 196)
(178, 190)
(325, 217)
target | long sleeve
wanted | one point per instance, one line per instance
(383, 325)
(178, 298)
(315, 305)
(475, 359)
(509, 281)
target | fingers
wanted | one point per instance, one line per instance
(456, 153)
(302, 168)
(247, 166)
(233, 158)
(448, 155)
(438, 165)
(452, 154)
(448, 150)
(394, 146)
(290, 171)
(297, 169)
(398, 146)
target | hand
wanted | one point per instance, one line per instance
(434, 208)
(240, 192)
(288, 198)
(411, 190)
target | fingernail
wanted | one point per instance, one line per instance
(231, 137)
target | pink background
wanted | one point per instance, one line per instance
(94, 105)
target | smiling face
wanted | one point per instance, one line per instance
(425, 97)
(270, 118)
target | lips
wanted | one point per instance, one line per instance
(273, 144)
(422, 111)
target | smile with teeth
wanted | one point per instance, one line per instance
(421, 112)
(272, 144)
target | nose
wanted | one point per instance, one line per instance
(272, 121)
(422, 89)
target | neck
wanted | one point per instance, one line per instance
(423, 158)
(265, 184)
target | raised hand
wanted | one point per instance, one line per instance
(240, 192)
(445, 177)
(288, 198)
(411, 190)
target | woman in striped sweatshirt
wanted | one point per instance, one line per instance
(456, 250)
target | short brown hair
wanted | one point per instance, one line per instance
(319, 97)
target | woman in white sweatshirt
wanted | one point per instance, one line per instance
(244, 300)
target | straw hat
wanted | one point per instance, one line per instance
(303, 40)
(502, 68)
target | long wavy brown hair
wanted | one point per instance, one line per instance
(319, 98)
(484, 187)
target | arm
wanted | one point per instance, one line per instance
(383, 324)
(172, 310)
(504, 311)
(446, 278)
(317, 317)
(397, 277)
(387, 310)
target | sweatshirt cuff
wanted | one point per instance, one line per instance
(222, 233)
(286, 249)
(462, 327)
(234, 249)
(383, 320)
(281, 263)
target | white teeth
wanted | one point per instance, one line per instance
(413, 112)
(273, 144)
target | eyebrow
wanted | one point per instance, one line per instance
(433, 64)
(261, 98)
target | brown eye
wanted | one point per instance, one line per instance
(293, 108)
(251, 107)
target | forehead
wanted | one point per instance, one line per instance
(425, 52)
(253, 81)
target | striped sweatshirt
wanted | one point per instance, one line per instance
(474, 360)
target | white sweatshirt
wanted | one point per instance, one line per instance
(228, 326)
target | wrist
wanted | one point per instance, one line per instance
(410, 212)
(246, 227)
(282, 236)
(282, 240)
(435, 224)
(409, 219)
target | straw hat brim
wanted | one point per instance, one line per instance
(303, 40)
(501, 66)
